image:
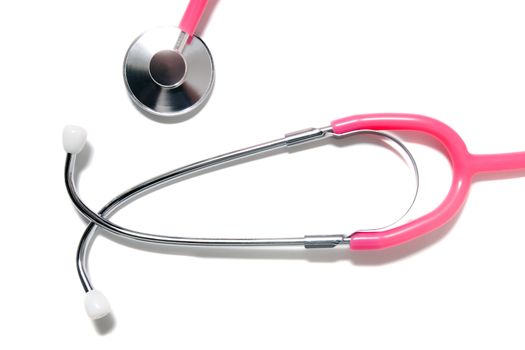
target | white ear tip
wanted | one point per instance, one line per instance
(74, 138)
(97, 306)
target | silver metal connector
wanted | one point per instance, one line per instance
(323, 241)
(182, 40)
(306, 135)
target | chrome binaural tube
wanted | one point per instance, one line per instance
(101, 219)
(154, 183)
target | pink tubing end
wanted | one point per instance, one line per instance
(192, 16)
(461, 164)
(464, 166)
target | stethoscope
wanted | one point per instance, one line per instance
(464, 166)
(169, 73)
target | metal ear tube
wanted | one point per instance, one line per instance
(464, 166)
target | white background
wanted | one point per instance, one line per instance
(281, 66)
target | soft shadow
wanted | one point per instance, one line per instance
(328, 255)
(507, 175)
(386, 256)
(206, 16)
(83, 159)
(105, 324)
(244, 253)
(371, 139)
(423, 139)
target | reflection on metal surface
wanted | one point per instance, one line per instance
(168, 68)
(163, 81)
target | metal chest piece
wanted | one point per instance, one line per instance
(167, 75)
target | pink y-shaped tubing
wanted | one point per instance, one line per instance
(464, 166)
(192, 16)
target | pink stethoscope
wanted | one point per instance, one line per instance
(464, 167)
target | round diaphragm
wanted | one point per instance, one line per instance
(165, 82)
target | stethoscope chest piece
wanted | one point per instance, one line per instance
(166, 76)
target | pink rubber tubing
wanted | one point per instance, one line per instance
(192, 16)
(464, 167)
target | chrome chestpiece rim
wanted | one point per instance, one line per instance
(164, 81)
